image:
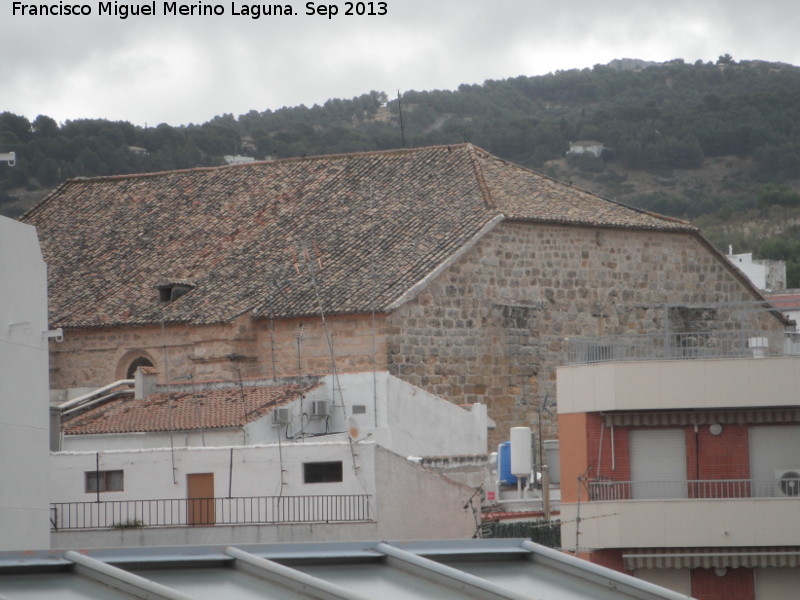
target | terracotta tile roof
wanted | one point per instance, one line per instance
(184, 411)
(788, 300)
(247, 238)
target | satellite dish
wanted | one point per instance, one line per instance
(353, 429)
(790, 483)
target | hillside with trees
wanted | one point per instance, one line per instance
(717, 143)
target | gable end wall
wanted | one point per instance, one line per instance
(492, 327)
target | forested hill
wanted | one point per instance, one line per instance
(718, 143)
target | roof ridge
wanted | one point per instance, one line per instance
(487, 194)
(44, 201)
(279, 161)
(655, 215)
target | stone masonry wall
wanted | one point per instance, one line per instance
(493, 326)
(490, 328)
(288, 347)
(92, 358)
(96, 357)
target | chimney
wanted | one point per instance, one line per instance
(144, 382)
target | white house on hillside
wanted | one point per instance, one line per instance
(586, 147)
(765, 274)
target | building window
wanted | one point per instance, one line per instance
(104, 481)
(322, 472)
(172, 290)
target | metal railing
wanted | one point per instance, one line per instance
(681, 346)
(694, 489)
(176, 512)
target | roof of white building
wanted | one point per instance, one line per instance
(229, 407)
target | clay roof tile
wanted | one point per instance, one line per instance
(341, 234)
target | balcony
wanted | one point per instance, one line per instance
(682, 346)
(600, 491)
(182, 512)
(671, 514)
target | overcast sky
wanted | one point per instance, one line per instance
(181, 69)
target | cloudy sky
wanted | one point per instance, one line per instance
(159, 68)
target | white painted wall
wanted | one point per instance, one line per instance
(723, 523)
(399, 490)
(755, 272)
(24, 393)
(764, 274)
(679, 384)
(398, 420)
(400, 417)
(252, 470)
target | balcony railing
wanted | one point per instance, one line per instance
(695, 489)
(681, 346)
(176, 512)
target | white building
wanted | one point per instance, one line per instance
(237, 159)
(586, 147)
(399, 416)
(24, 422)
(764, 274)
(321, 460)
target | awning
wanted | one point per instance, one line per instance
(702, 417)
(712, 558)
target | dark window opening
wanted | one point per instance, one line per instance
(322, 472)
(139, 362)
(104, 481)
(167, 292)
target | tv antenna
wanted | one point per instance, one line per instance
(402, 129)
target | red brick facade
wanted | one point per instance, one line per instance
(735, 584)
(718, 453)
(708, 456)
(723, 456)
(611, 559)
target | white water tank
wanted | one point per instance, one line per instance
(521, 459)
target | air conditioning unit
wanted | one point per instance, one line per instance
(788, 482)
(320, 408)
(281, 416)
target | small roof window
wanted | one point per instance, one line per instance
(172, 290)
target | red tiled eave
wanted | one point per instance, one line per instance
(185, 411)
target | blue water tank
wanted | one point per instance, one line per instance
(504, 464)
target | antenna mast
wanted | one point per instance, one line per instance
(402, 129)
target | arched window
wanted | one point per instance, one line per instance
(139, 362)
